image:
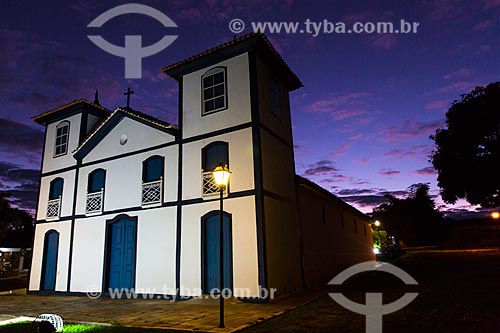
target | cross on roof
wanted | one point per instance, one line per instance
(128, 93)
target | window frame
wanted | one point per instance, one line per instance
(210, 72)
(61, 125)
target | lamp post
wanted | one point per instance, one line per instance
(221, 177)
(377, 223)
(495, 216)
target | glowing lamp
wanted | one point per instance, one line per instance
(495, 215)
(221, 175)
(377, 223)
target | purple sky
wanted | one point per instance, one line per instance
(361, 122)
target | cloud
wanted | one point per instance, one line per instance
(426, 171)
(338, 115)
(20, 184)
(367, 201)
(418, 152)
(321, 168)
(341, 149)
(462, 72)
(18, 137)
(410, 129)
(383, 41)
(354, 191)
(389, 172)
(440, 9)
(442, 104)
(341, 107)
(483, 25)
(399, 154)
(489, 4)
(39, 74)
(356, 137)
(459, 87)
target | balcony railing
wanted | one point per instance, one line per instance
(209, 187)
(94, 202)
(152, 192)
(54, 208)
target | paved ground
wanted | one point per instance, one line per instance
(459, 292)
(195, 314)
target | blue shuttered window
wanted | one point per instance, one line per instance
(56, 187)
(152, 169)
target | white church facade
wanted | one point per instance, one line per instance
(128, 201)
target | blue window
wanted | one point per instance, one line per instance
(56, 187)
(214, 154)
(62, 137)
(96, 180)
(152, 169)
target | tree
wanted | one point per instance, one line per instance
(16, 225)
(415, 219)
(467, 154)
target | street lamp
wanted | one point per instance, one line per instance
(496, 216)
(221, 177)
(377, 223)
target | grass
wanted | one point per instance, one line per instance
(458, 292)
(25, 327)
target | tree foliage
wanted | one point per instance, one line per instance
(414, 219)
(467, 154)
(16, 225)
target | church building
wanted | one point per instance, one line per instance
(128, 201)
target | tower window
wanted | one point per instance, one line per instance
(62, 137)
(214, 94)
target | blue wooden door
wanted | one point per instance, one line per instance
(122, 250)
(211, 253)
(49, 273)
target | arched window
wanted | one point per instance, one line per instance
(56, 188)
(152, 184)
(152, 169)
(214, 90)
(97, 180)
(62, 138)
(213, 155)
(55, 198)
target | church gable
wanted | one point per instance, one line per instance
(125, 131)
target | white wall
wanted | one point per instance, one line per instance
(50, 162)
(139, 136)
(240, 163)
(64, 229)
(67, 194)
(245, 260)
(123, 187)
(238, 90)
(155, 267)
(88, 254)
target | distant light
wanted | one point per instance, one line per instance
(377, 223)
(376, 250)
(495, 215)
